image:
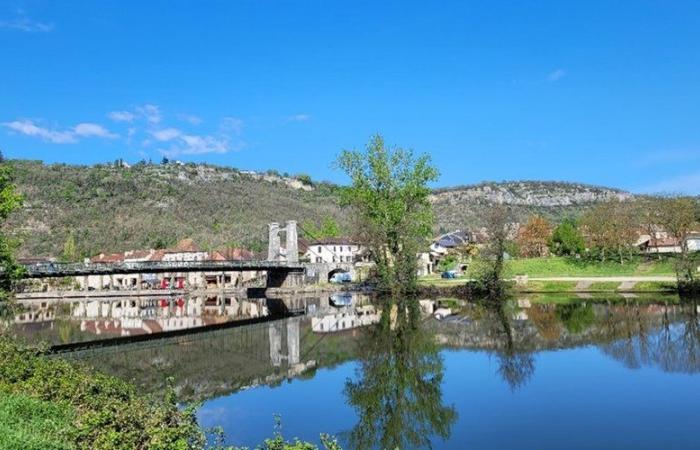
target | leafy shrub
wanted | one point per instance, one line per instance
(107, 412)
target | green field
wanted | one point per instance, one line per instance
(566, 267)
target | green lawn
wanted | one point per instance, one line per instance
(565, 267)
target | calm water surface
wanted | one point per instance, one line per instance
(581, 373)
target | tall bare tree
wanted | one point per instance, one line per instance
(610, 229)
(679, 216)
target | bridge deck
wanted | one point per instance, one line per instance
(49, 270)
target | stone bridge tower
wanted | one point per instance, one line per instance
(274, 249)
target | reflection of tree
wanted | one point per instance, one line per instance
(515, 367)
(674, 346)
(576, 317)
(398, 392)
(544, 317)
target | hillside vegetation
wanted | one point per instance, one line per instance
(114, 208)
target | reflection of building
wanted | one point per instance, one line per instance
(352, 317)
(126, 317)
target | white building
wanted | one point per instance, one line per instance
(332, 250)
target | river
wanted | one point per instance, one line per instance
(533, 372)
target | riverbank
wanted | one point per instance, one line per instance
(572, 285)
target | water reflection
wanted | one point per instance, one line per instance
(395, 397)
(667, 337)
(397, 393)
(76, 320)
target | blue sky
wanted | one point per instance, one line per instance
(598, 92)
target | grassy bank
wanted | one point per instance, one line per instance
(568, 267)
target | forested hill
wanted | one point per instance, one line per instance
(114, 208)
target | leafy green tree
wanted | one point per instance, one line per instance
(10, 200)
(566, 239)
(70, 250)
(390, 197)
(329, 228)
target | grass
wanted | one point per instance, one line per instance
(603, 286)
(31, 424)
(654, 286)
(566, 267)
(549, 286)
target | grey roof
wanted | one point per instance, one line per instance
(453, 239)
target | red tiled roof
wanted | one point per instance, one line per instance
(185, 245)
(108, 258)
(231, 254)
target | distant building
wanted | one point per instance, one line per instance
(331, 250)
(662, 243)
(442, 244)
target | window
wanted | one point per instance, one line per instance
(334, 250)
(319, 259)
(319, 249)
(349, 250)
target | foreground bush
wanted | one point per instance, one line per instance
(57, 404)
(50, 403)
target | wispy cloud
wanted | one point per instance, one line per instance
(29, 128)
(682, 184)
(556, 75)
(298, 118)
(122, 116)
(93, 130)
(188, 144)
(227, 139)
(166, 134)
(27, 25)
(150, 112)
(53, 136)
(190, 118)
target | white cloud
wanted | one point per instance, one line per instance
(190, 118)
(167, 134)
(82, 130)
(556, 75)
(188, 144)
(93, 130)
(682, 184)
(232, 124)
(26, 24)
(299, 118)
(29, 128)
(150, 112)
(121, 116)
